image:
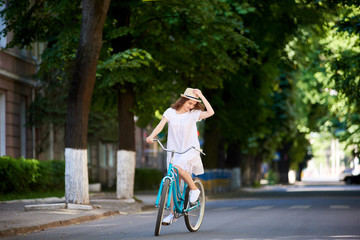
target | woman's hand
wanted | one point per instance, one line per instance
(209, 110)
(198, 93)
(149, 139)
(157, 130)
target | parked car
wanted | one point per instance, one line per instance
(346, 173)
(354, 179)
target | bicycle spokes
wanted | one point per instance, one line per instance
(195, 214)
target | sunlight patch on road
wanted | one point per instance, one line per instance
(347, 236)
(322, 188)
(262, 207)
(300, 207)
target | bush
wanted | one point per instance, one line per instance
(273, 177)
(18, 175)
(51, 175)
(24, 175)
(147, 179)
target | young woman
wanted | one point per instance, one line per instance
(182, 117)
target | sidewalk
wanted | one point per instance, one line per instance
(14, 219)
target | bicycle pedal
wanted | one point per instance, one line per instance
(169, 223)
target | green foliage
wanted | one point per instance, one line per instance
(346, 75)
(49, 107)
(25, 175)
(51, 175)
(342, 54)
(122, 67)
(272, 177)
(103, 125)
(273, 71)
(130, 58)
(147, 179)
(18, 175)
(299, 151)
(32, 195)
(38, 21)
(259, 106)
(256, 184)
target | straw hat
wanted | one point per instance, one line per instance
(189, 93)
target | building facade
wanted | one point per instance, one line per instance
(16, 91)
(17, 83)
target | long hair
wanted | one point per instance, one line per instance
(181, 101)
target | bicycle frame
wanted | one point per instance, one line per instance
(174, 190)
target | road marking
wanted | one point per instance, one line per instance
(300, 207)
(347, 236)
(262, 207)
(339, 207)
(224, 209)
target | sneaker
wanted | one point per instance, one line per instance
(193, 196)
(168, 220)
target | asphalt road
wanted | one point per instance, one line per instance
(315, 212)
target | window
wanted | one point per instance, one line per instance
(102, 155)
(2, 26)
(2, 125)
(23, 126)
(111, 155)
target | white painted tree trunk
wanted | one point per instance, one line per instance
(125, 174)
(76, 176)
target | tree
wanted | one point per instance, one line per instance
(329, 78)
(82, 80)
(81, 77)
(343, 69)
(260, 63)
(258, 104)
(164, 38)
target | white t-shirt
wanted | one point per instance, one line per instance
(182, 134)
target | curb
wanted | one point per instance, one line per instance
(24, 230)
(52, 206)
(49, 199)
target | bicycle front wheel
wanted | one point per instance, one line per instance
(194, 218)
(162, 205)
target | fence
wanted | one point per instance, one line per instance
(221, 180)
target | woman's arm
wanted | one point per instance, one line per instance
(156, 130)
(209, 110)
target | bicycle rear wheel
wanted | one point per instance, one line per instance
(194, 218)
(162, 205)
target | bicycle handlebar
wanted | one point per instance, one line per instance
(168, 150)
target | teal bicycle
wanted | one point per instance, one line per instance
(171, 187)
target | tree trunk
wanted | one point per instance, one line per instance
(256, 169)
(284, 167)
(233, 156)
(284, 163)
(233, 161)
(82, 82)
(126, 154)
(211, 147)
(246, 170)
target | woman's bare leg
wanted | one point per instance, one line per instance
(187, 178)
